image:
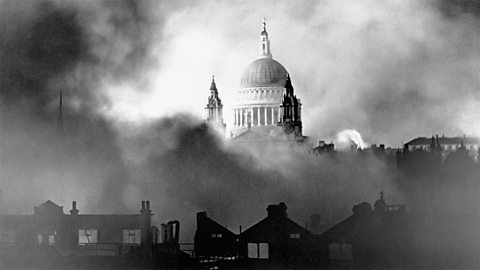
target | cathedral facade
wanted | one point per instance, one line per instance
(265, 103)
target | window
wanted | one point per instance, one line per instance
(252, 250)
(263, 251)
(7, 236)
(51, 239)
(257, 250)
(87, 237)
(217, 235)
(295, 236)
(46, 238)
(131, 236)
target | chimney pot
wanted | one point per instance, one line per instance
(143, 205)
(148, 205)
(277, 211)
(74, 210)
(202, 214)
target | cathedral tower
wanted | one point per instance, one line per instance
(290, 118)
(214, 108)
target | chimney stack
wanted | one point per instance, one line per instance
(74, 210)
(176, 234)
(164, 232)
(277, 211)
(146, 208)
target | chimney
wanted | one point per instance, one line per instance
(146, 208)
(277, 211)
(74, 210)
(363, 209)
(164, 232)
(170, 229)
(201, 215)
(176, 234)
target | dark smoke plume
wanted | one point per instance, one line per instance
(187, 168)
(73, 47)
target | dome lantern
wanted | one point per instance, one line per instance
(264, 42)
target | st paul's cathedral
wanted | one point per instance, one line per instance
(266, 106)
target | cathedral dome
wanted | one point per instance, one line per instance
(264, 72)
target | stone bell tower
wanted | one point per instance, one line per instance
(214, 108)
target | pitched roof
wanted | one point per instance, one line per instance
(268, 226)
(209, 225)
(444, 140)
(49, 204)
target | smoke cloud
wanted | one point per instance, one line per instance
(188, 168)
(76, 48)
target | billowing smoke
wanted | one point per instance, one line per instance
(77, 48)
(393, 70)
(350, 138)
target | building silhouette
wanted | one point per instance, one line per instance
(50, 238)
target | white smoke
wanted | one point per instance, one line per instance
(349, 137)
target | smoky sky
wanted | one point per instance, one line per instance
(390, 70)
(68, 46)
(379, 67)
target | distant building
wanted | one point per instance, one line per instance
(363, 240)
(441, 177)
(390, 237)
(323, 148)
(445, 144)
